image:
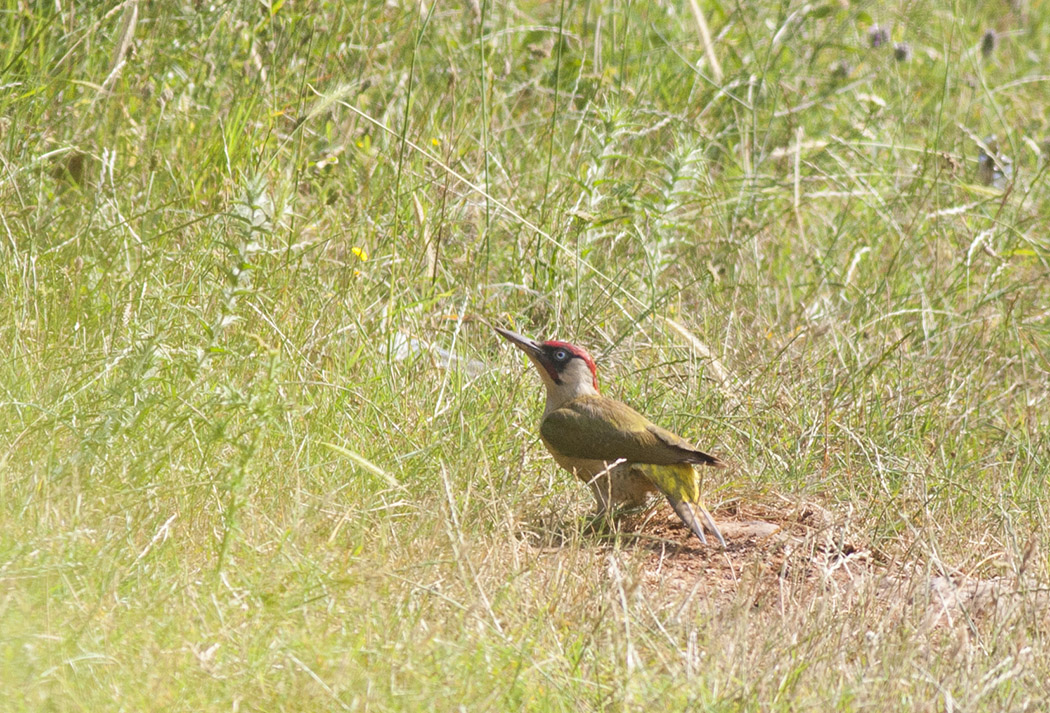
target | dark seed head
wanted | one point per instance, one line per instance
(988, 42)
(902, 51)
(878, 36)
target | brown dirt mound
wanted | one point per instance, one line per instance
(789, 541)
(791, 553)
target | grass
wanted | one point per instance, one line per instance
(259, 452)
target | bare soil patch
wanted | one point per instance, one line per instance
(789, 554)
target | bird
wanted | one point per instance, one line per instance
(619, 453)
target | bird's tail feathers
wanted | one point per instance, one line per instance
(685, 511)
(688, 515)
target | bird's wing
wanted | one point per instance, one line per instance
(693, 455)
(597, 428)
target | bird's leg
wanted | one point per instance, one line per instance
(602, 495)
(601, 485)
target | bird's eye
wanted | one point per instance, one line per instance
(561, 355)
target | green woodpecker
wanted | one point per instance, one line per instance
(619, 453)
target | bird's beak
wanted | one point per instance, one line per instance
(525, 344)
